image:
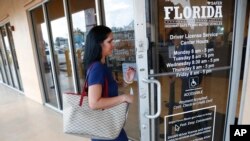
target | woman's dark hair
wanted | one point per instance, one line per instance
(178, 31)
(93, 49)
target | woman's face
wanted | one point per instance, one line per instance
(107, 45)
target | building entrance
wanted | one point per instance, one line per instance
(180, 52)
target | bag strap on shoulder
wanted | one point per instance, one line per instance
(85, 87)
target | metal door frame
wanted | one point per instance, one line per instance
(141, 45)
(237, 48)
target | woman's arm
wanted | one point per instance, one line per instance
(98, 102)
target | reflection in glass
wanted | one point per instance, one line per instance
(5, 58)
(42, 45)
(83, 19)
(2, 73)
(206, 94)
(59, 31)
(2, 64)
(215, 38)
(123, 54)
(1, 77)
(188, 62)
(10, 61)
(15, 61)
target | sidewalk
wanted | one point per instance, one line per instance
(22, 119)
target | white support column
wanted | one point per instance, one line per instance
(141, 45)
(244, 116)
(238, 37)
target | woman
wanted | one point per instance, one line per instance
(99, 44)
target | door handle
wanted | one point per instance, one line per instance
(157, 114)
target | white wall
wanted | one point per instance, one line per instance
(14, 11)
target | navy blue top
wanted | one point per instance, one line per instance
(188, 47)
(96, 75)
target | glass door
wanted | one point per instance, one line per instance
(83, 18)
(183, 54)
(8, 60)
(13, 62)
(60, 28)
(42, 45)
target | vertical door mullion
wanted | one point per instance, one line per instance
(52, 58)
(141, 45)
(239, 21)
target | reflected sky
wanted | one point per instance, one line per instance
(119, 13)
(59, 26)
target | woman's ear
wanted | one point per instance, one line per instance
(102, 44)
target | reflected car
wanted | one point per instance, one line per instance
(60, 54)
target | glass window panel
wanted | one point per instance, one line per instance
(15, 61)
(83, 19)
(2, 64)
(10, 59)
(2, 74)
(177, 97)
(5, 59)
(215, 39)
(123, 55)
(188, 53)
(1, 77)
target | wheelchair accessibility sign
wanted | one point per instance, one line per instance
(193, 82)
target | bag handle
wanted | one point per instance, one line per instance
(85, 87)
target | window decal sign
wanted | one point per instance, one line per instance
(199, 125)
(191, 39)
(184, 15)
